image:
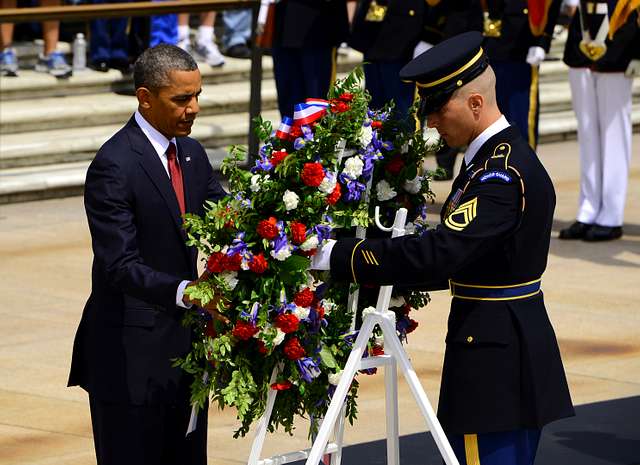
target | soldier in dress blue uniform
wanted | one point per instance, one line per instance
(306, 34)
(503, 378)
(517, 38)
(603, 55)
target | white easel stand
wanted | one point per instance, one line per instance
(334, 419)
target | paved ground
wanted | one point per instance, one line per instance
(591, 292)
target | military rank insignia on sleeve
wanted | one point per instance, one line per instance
(463, 215)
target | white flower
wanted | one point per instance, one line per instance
(334, 378)
(256, 181)
(353, 167)
(310, 244)
(367, 311)
(366, 135)
(230, 278)
(396, 302)
(328, 184)
(328, 306)
(410, 228)
(431, 136)
(301, 312)
(413, 186)
(384, 191)
(290, 200)
(279, 337)
(281, 254)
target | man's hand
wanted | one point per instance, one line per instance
(536, 55)
(212, 306)
(633, 69)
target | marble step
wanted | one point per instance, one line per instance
(67, 177)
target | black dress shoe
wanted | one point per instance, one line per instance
(238, 51)
(121, 64)
(603, 233)
(576, 231)
(101, 66)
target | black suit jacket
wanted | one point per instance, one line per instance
(130, 328)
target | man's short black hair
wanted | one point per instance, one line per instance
(151, 69)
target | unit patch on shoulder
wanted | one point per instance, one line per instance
(496, 174)
(463, 215)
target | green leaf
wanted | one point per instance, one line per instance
(327, 357)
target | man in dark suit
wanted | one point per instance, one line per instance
(138, 187)
(503, 378)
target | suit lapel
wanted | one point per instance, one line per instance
(152, 165)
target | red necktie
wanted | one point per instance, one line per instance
(176, 176)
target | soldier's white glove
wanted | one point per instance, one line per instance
(536, 55)
(421, 48)
(321, 261)
(633, 69)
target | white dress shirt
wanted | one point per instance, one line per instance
(484, 136)
(161, 144)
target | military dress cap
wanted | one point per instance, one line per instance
(442, 69)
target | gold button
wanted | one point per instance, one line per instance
(412, 13)
(459, 83)
(526, 11)
(470, 339)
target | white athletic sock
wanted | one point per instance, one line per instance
(183, 32)
(205, 35)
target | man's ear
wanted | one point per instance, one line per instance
(475, 102)
(144, 98)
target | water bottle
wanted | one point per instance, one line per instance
(79, 52)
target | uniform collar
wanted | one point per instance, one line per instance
(158, 140)
(484, 136)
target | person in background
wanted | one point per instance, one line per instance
(204, 47)
(50, 61)
(236, 37)
(109, 44)
(518, 36)
(603, 55)
(306, 35)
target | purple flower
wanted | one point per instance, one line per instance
(354, 191)
(252, 316)
(307, 132)
(238, 246)
(308, 368)
(299, 143)
(323, 231)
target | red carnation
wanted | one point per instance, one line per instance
(346, 97)
(298, 232)
(395, 165)
(283, 386)
(376, 125)
(335, 195)
(304, 298)
(295, 132)
(215, 263)
(377, 350)
(312, 174)
(232, 262)
(262, 348)
(338, 106)
(258, 264)
(268, 228)
(244, 331)
(293, 350)
(287, 323)
(278, 156)
(413, 324)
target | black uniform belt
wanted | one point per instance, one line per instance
(486, 292)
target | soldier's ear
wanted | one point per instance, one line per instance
(475, 102)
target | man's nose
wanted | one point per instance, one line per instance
(432, 121)
(194, 106)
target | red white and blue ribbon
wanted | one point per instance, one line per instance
(305, 114)
(285, 128)
(317, 102)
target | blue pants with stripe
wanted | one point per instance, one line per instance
(504, 448)
(517, 94)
